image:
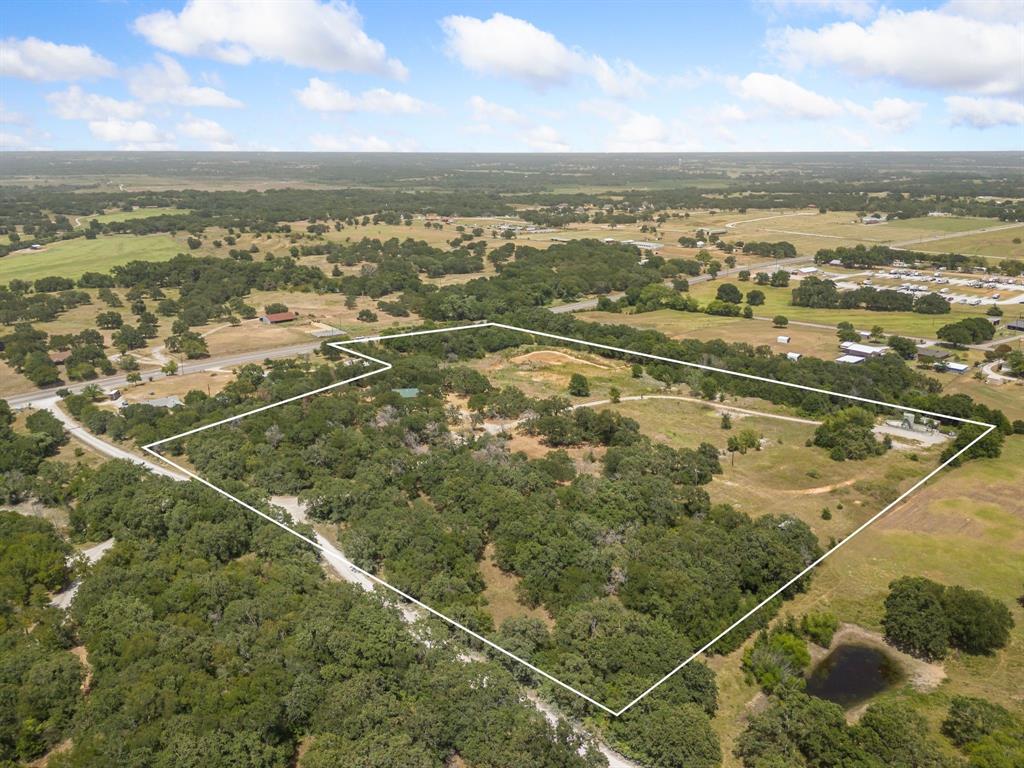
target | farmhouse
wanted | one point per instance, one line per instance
(278, 317)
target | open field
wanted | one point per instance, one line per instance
(965, 527)
(209, 383)
(818, 342)
(138, 213)
(810, 231)
(71, 258)
(992, 244)
(777, 302)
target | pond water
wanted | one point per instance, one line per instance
(853, 673)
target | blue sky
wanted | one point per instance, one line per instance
(517, 77)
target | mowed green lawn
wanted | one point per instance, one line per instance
(71, 258)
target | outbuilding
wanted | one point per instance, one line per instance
(957, 367)
(278, 317)
(862, 350)
(849, 359)
(794, 356)
(782, 339)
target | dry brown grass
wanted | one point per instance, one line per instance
(500, 593)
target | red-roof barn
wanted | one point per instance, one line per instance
(279, 317)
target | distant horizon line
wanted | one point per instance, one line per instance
(230, 153)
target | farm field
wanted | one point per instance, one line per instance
(71, 258)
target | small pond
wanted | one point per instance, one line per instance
(853, 673)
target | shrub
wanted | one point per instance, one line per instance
(820, 627)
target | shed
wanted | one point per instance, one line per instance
(849, 359)
(278, 317)
(1016, 325)
(794, 356)
(957, 367)
(407, 392)
(782, 339)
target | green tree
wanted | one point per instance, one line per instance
(729, 292)
(579, 386)
(915, 619)
(977, 623)
(780, 321)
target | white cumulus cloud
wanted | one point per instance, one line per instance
(637, 132)
(321, 96)
(167, 82)
(326, 36)
(891, 114)
(544, 138)
(504, 46)
(484, 111)
(12, 141)
(356, 143)
(76, 104)
(212, 133)
(130, 134)
(926, 48)
(35, 59)
(784, 97)
(984, 112)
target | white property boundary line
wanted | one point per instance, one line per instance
(385, 366)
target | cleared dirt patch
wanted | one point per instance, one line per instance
(553, 357)
(500, 592)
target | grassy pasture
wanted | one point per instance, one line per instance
(138, 213)
(991, 244)
(71, 258)
(777, 302)
(818, 342)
